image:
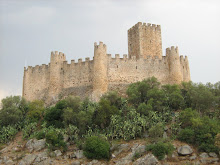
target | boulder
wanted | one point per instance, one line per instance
(79, 154)
(119, 148)
(165, 135)
(185, 150)
(125, 160)
(148, 159)
(193, 157)
(35, 145)
(28, 159)
(138, 149)
(41, 157)
(57, 153)
(209, 160)
(75, 163)
(212, 154)
(204, 155)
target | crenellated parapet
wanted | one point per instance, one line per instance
(145, 40)
(94, 77)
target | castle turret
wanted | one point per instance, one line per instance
(100, 79)
(145, 40)
(186, 70)
(56, 74)
(175, 72)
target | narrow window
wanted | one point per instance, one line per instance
(136, 67)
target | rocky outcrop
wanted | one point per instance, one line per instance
(35, 145)
(148, 159)
(185, 150)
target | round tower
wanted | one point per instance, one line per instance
(175, 74)
(100, 79)
(56, 75)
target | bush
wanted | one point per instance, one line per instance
(53, 117)
(40, 135)
(35, 110)
(96, 148)
(160, 149)
(205, 147)
(156, 131)
(187, 135)
(55, 140)
(7, 133)
(29, 130)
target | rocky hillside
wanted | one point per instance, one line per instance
(20, 152)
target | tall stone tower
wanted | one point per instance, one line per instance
(100, 75)
(56, 74)
(175, 73)
(144, 40)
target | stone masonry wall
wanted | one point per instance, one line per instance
(92, 78)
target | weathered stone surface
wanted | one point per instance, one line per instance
(125, 160)
(41, 157)
(104, 73)
(35, 145)
(204, 155)
(165, 135)
(75, 162)
(209, 160)
(138, 149)
(193, 157)
(185, 150)
(93, 162)
(212, 154)
(4, 150)
(119, 148)
(148, 159)
(28, 159)
(58, 153)
(79, 154)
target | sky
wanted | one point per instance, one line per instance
(31, 29)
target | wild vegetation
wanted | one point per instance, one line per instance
(191, 112)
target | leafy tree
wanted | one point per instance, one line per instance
(54, 117)
(114, 99)
(35, 110)
(13, 110)
(174, 98)
(102, 115)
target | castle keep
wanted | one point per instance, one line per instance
(92, 78)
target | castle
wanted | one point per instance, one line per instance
(92, 78)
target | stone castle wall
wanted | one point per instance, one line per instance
(92, 78)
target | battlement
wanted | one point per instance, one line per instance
(172, 51)
(36, 68)
(145, 26)
(100, 46)
(57, 56)
(94, 77)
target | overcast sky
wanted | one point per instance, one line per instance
(31, 29)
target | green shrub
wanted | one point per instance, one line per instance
(55, 140)
(29, 130)
(127, 127)
(7, 133)
(160, 149)
(96, 148)
(187, 135)
(53, 117)
(156, 131)
(205, 147)
(35, 110)
(40, 135)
